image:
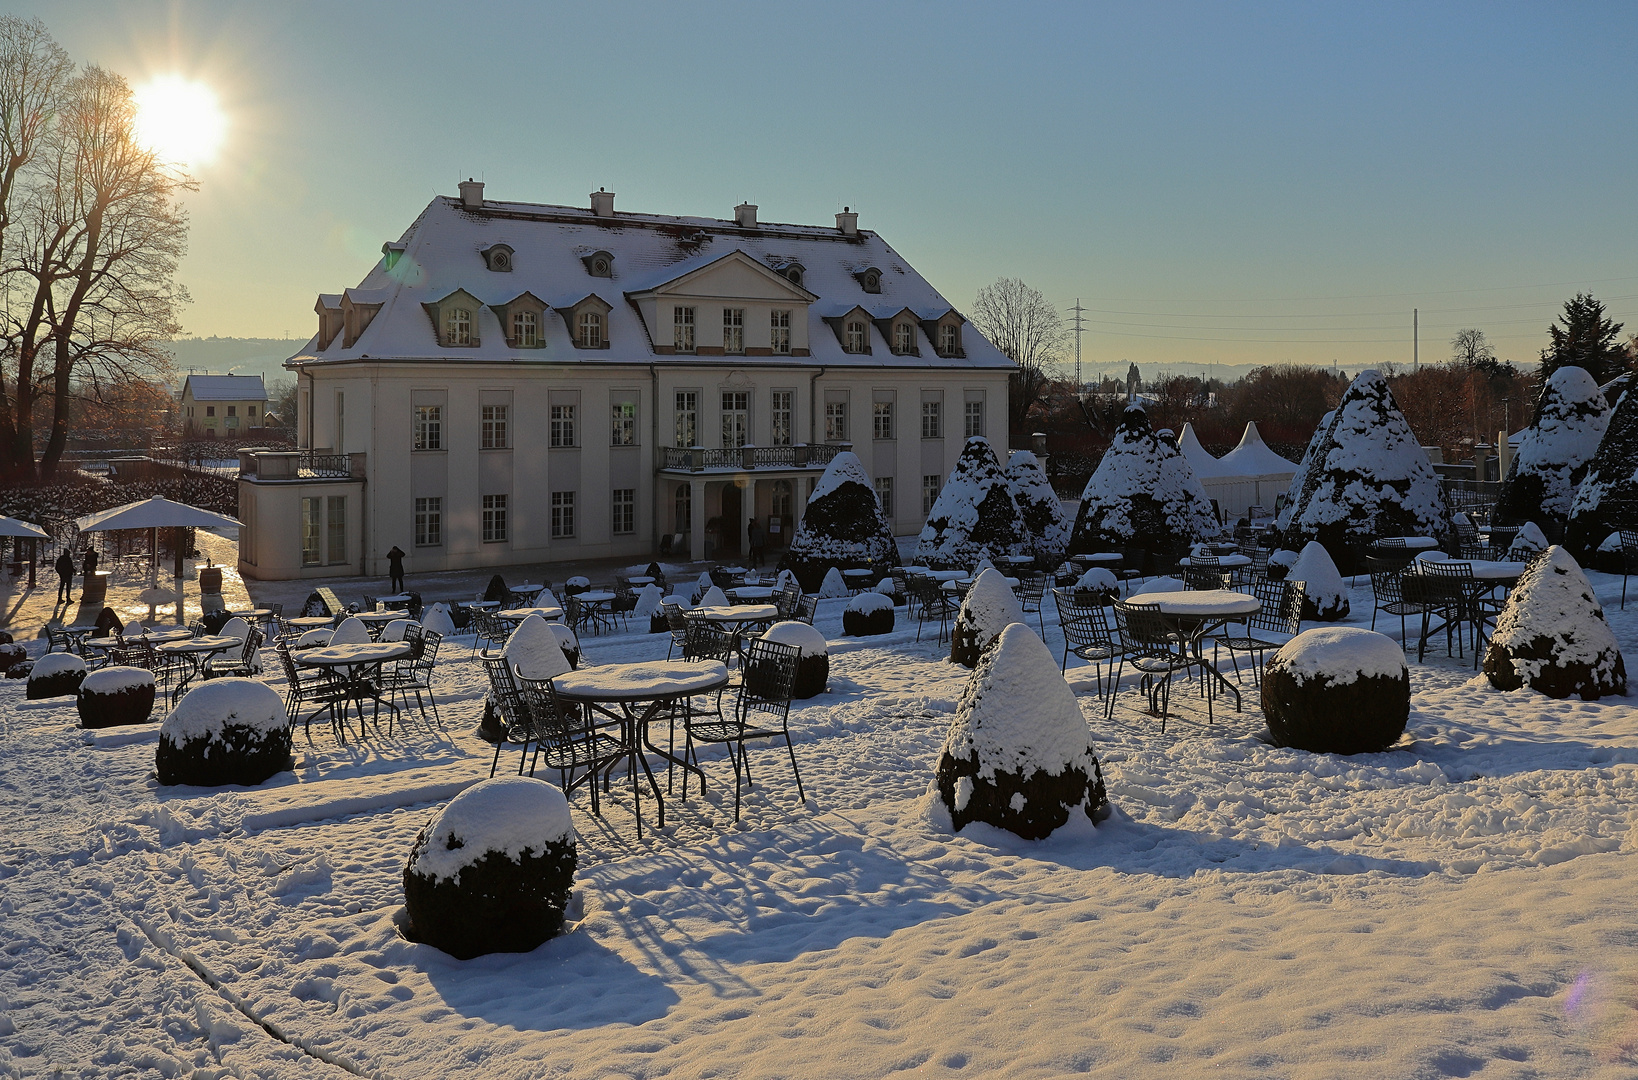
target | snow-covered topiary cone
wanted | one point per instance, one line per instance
(867, 614)
(1324, 596)
(1040, 506)
(813, 667)
(975, 513)
(1554, 452)
(1608, 495)
(1552, 636)
(715, 597)
(648, 602)
(226, 731)
(113, 696)
(56, 674)
(1097, 587)
(436, 619)
(534, 652)
(1529, 542)
(492, 871)
(1306, 475)
(1337, 690)
(1018, 755)
(352, 631)
(842, 526)
(1370, 478)
(1142, 494)
(989, 608)
(833, 587)
(566, 641)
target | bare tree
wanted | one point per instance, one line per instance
(1020, 322)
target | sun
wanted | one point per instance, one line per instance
(180, 120)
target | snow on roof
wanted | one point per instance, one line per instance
(1200, 459)
(225, 388)
(442, 252)
(1253, 457)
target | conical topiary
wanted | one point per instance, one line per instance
(1043, 511)
(974, 514)
(989, 608)
(1324, 597)
(1552, 636)
(843, 526)
(1018, 755)
(1142, 494)
(1306, 474)
(1554, 453)
(1370, 478)
(1608, 495)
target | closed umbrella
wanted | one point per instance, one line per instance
(155, 514)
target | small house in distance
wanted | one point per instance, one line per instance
(222, 406)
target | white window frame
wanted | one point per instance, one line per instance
(733, 330)
(495, 522)
(949, 339)
(881, 420)
(783, 412)
(429, 427)
(884, 495)
(931, 485)
(686, 418)
(562, 515)
(624, 512)
(904, 338)
(779, 332)
(561, 427)
(932, 419)
(972, 418)
(525, 329)
(493, 420)
(836, 421)
(857, 336)
(312, 531)
(458, 326)
(682, 329)
(623, 423)
(429, 521)
(736, 419)
(589, 331)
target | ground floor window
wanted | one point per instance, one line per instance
(884, 495)
(782, 498)
(625, 511)
(312, 532)
(562, 515)
(685, 508)
(494, 519)
(324, 525)
(337, 528)
(929, 492)
(429, 522)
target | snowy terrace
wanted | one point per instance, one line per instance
(1457, 906)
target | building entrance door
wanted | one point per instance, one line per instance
(733, 521)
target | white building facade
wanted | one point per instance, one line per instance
(517, 383)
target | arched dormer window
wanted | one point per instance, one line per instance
(856, 336)
(904, 338)
(589, 334)
(588, 322)
(454, 320)
(599, 264)
(498, 257)
(458, 326)
(522, 319)
(869, 279)
(525, 329)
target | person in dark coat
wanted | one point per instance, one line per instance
(88, 565)
(395, 568)
(65, 576)
(753, 533)
(108, 621)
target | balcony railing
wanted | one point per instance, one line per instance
(299, 465)
(749, 458)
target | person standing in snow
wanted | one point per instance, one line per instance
(88, 565)
(753, 533)
(65, 576)
(395, 568)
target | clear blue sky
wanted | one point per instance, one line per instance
(1227, 183)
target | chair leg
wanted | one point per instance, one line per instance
(800, 794)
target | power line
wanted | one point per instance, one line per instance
(1078, 323)
(1366, 296)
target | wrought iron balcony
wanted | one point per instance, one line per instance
(749, 458)
(299, 465)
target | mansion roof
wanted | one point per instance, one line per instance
(224, 388)
(559, 259)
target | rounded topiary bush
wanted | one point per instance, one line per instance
(1337, 690)
(226, 731)
(1324, 596)
(114, 696)
(55, 674)
(20, 670)
(1527, 543)
(1280, 564)
(1097, 587)
(842, 526)
(1018, 755)
(868, 614)
(534, 652)
(834, 587)
(989, 608)
(813, 668)
(11, 654)
(1552, 636)
(492, 871)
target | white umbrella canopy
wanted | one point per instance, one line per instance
(14, 527)
(155, 513)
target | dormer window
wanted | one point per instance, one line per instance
(949, 339)
(498, 257)
(458, 326)
(794, 273)
(904, 338)
(598, 264)
(789, 269)
(870, 279)
(589, 335)
(525, 330)
(523, 319)
(330, 319)
(855, 336)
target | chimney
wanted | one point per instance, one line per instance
(848, 222)
(472, 194)
(602, 203)
(745, 215)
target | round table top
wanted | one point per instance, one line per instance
(109, 642)
(201, 644)
(157, 637)
(311, 622)
(395, 598)
(378, 616)
(963, 584)
(1200, 603)
(594, 596)
(642, 682)
(1415, 543)
(1485, 569)
(1098, 557)
(478, 603)
(641, 579)
(857, 573)
(343, 655)
(1228, 562)
(519, 614)
(752, 592)
(253, 613)
(734, 569)
(739, 613)
(939, 575)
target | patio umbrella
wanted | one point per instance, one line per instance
(13, 527)
(155, 514)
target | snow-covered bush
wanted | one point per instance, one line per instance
(648, 602)
(1608, 495)
(1280, 564)
(533, 651)
(226, 731)
(1369, 478)
(1142, 494)
(352, 631)
(813, 667)
(1552, 637)
(1324, 596)
(493, 870)
(833, 587)
(989, 608)
(579, 583)
(20, 669)
(56, 674)
(566, 641)
(1098, 587)
(1306, 475)
(1554, 452)
(702, 585)
(1337, 690)
(1158, 584)
(1527, 543)
(867, 614)
(113, 696)
(1042, 510)
(975, 513)
(715, 597)
(10, 654)
(842, 526)
(1018, 755)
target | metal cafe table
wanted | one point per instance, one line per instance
(1197, 612)
(640, 692)
(751, 594)
(376, 621)
(517, 615)
(360, 662)
(195, 651)
(305, 623)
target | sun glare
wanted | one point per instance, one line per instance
(180, 120)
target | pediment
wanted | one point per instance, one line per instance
(735, 276)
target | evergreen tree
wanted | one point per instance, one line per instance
(1042, 510)
(1587, 339)
(1555, 452)
(975, 514)
(843, 526)
(1608, 495)
(1143, 493)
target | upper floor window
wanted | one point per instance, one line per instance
(780, 327)
(429, 522)
(884, 494)
(949, 339)
(458, 327)
(932, 420)
(590, 333)
(733, 330)
(429, 427)
(836, 421)
(882, 419)
(562, 426)
(855, 337)
(687, 418)
(904, 338)
(562, 515)
(494, 519)
(624, 429)
(682, 329)
(974, 414)
(736, 418)
(232, 410)
(494, 427)
(210, 410)
(783, 407)
(525, 329)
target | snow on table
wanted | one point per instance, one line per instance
(519, 614)
(1202, 603)
(1227, 562)
(642, 682)
(1483, 569)
(735, 613)
(347, 655)
(1414, 543)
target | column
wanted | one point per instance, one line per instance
(747, 512)
(696, 519)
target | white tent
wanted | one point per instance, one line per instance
(1199, 458)
(1249, 475)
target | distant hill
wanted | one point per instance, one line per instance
(233, 356)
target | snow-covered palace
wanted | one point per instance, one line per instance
(519, 383)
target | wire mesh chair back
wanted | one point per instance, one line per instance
(507, 695)
(787, 599)
(702, 641)
(1280, 610)
(560, 728)
(1205, 576)
(1629, 545)
(1144, 631)
(806, 608)
(1032, 590)
(1084, 626)
(769, 681)
(1133, 562)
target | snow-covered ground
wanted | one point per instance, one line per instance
(1458, 906)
